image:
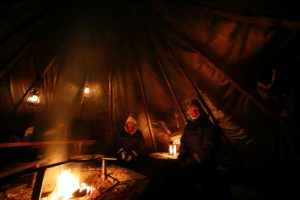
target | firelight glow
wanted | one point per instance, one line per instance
(67, 184)
(172, 149)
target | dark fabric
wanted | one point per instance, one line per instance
(195, 180)
(198, 137)
(169, 180)
(192, 176)
(133, 148)
(129, 143)
(147, 57)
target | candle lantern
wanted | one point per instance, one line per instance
(172, 149)
(34, 97)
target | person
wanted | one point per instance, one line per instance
(197, 156)
(130, 144)
(197, 144)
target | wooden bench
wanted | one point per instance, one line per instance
(9, 169)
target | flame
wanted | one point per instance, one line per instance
(67, 184)
(172, 149)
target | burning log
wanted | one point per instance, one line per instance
(79, 193)
(87, 183)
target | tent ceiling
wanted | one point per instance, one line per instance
(149, 57)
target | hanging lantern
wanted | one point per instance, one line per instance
(87, 92)
(34, 97)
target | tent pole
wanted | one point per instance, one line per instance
(199, 96)
(110, 105)
(38, 78)
(145, 106)
(171, 90)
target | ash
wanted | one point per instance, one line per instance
(121, 183)
(92, 177)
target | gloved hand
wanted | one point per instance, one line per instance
(196, 158)
(129, 158)
(123, 155)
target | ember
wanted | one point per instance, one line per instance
(85, 183)
(84, 178)
(79, 193)
(69, 184)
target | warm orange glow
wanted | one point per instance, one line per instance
(33, 99)
(86, 90)
(171, 149)
(174, 149)
(66, 185)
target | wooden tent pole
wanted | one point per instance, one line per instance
(110, 105)
(145, 106)
(200, 97)
(166, 79)
(182, 112)
(141, 84)
(38, 78)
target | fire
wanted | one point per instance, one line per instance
(67, 185)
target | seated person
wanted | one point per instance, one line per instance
(130, 143)
(197, 156)
(197, 145)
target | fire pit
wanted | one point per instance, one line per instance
(83, 183)
(86, 184)
(78, 178)
(63, 181)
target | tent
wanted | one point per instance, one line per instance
(238, 58)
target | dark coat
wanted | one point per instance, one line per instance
(198, 137)
(135, 142)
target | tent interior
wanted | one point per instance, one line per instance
(238, 58)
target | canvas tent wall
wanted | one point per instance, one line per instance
(149, 57)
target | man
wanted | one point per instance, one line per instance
(197, 157)
(197, 142)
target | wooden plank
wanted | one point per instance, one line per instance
(44, 143)
(16, 168)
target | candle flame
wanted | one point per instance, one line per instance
(172, 149)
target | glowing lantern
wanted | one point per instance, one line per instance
(172, 149)
(34, 97)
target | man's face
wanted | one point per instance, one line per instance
(194, 112)
(130, 127)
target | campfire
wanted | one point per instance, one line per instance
(78, 182)
(69, 186)
(69, 181)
